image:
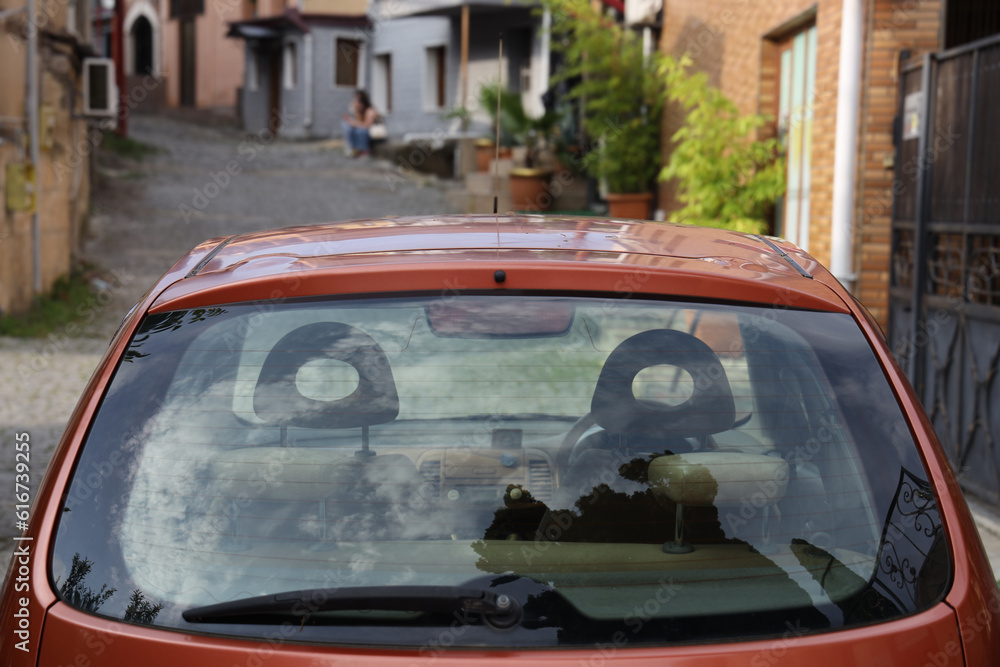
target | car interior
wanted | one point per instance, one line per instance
(335, 477)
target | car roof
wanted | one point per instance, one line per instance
(376, 246)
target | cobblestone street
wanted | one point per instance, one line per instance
(207, 180)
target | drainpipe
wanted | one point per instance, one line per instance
(31, 109)
(118, 48)
(846, 145)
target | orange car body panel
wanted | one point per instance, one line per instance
(909, 642)
(441, 254)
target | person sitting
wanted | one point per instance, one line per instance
(356, 123)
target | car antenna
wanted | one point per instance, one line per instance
(496, 146)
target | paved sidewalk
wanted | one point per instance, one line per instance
(988, 522)
(41, 384)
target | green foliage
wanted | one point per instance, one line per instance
(127, 147)
(140, 610)
(516, 126)
(724, 178)
(67, 303)
(459, 113)
(76, 593)
(621, 89)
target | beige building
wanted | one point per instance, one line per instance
(65, 146)
(200, 67)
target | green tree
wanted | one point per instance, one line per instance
(76, 593)
(140, 610)
(724, 177)
(516, 126)
(620, 89)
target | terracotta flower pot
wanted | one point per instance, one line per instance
(484, 153)
(528, 189)
(634, 206)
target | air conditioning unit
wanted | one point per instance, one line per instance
(100, 94)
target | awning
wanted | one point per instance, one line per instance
(253, 31)
(270, 27)
(454, 7)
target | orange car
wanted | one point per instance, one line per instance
(453, 440)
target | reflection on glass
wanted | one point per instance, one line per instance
(671, 471)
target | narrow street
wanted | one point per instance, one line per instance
(206, 180)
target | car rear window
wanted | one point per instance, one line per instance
(617, 470)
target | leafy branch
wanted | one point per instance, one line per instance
(516, 126)
(724, 178)
(621, 91)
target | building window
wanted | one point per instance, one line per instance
(141, 36)
(347, 57)
(290, 72)
(436, 79)
(795, 86)
(382, 83)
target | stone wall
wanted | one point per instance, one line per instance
(64, 169)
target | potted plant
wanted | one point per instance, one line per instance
(528, 181)
(622, 92)
(486, 148)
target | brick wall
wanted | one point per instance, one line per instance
(732, 40)
(892, 26)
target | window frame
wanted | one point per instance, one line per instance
(435, 93)
(382, 98)
(290, 66)
(359, 71)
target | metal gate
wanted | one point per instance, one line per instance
(944, 299)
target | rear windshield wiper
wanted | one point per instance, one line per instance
(497, 610)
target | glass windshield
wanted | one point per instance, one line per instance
(653, 470)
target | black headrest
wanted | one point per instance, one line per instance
(277, 400)
(710, 409)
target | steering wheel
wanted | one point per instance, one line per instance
(571, 441)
